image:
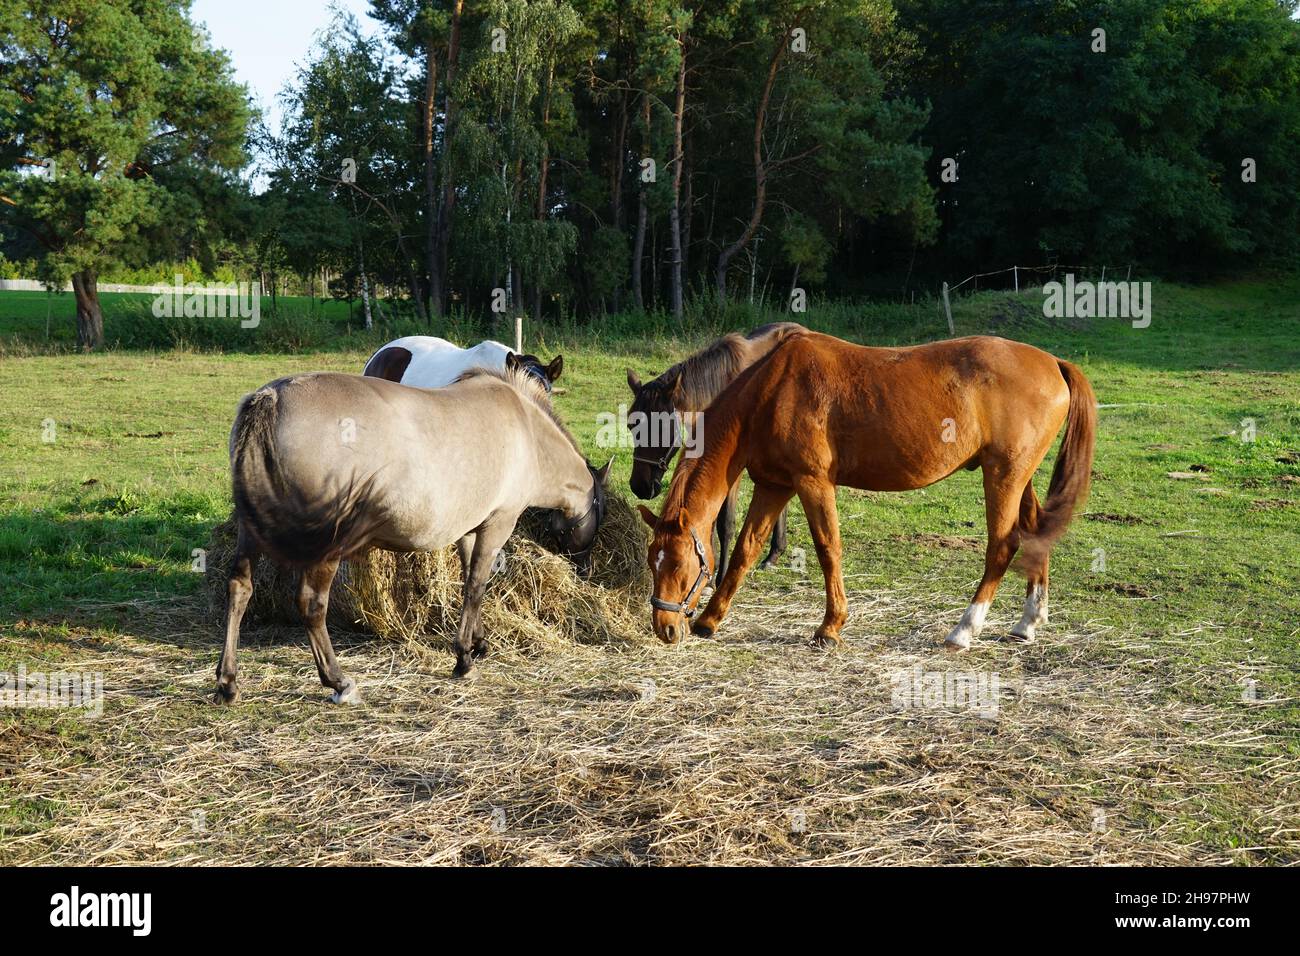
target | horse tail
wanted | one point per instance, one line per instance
(284, 522)
(1042, 527)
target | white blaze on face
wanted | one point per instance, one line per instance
(659, 560)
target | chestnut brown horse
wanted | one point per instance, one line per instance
(820, 412)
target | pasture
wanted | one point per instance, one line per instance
(1154, 720)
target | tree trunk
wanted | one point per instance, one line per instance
(688, 207)
(543, 169)
(90, 320)
(674, 213)
(638, 245)
(448, 178)
(430, 181)
(760, 170)
(365, 286)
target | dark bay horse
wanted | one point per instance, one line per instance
(325, 466)
(687, 389)
(820, 412)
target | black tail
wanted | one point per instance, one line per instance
(287, 525)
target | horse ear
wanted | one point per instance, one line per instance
(633, 381)
(555, 368)
(683, 519)
(512, 361)
(648, 516)
(603, 473)
(675, 386)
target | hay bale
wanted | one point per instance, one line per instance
(536, 599)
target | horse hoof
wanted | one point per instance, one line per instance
(225, 695)
(465, 674)
(701, 630)
(957, 645)
(826, 642)
(347, 694)
(1017, 637)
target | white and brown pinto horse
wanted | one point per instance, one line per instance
(326, 466)
(819, 412)
(426, 361)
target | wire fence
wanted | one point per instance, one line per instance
(1043, 274)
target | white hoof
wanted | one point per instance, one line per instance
(1023, 633)
(968, 628)
(348, 695)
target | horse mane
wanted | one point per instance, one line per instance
(527, 385)
(706, 373)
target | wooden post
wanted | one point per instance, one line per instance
(947, 308)
(1015, 273)
(1103, 273)
(519, 334)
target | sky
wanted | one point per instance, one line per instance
(267, 39)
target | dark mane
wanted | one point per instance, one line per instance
(706, 373)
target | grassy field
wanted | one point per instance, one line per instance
(1155, 719)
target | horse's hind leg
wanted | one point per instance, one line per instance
(314, 604)
(779, 541)
(1035, 614)
(1002, 509)
(239, 589)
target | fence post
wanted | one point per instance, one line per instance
(519, 334)
(1103, 273)
(947, 308)
(1015, 273)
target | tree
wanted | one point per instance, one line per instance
(119, 131)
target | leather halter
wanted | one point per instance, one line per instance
(666, 455)
(704, 577)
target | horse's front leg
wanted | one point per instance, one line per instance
(465, 548)
(818, 499)
(763, 509)
(488, 542)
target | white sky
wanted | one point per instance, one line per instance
(267, 39)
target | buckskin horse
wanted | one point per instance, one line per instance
(427, 361)
(325, 466)
(819, 412)
(681, 394)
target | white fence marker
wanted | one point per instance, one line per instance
(947, 307)
(519, 334)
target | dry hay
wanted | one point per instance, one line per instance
(536, 599)
(752, 748)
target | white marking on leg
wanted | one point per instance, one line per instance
(970, 625)
(1035, 613)
(348, 695)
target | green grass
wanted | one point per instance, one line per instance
(109, 512)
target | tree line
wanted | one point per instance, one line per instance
(584, 157)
